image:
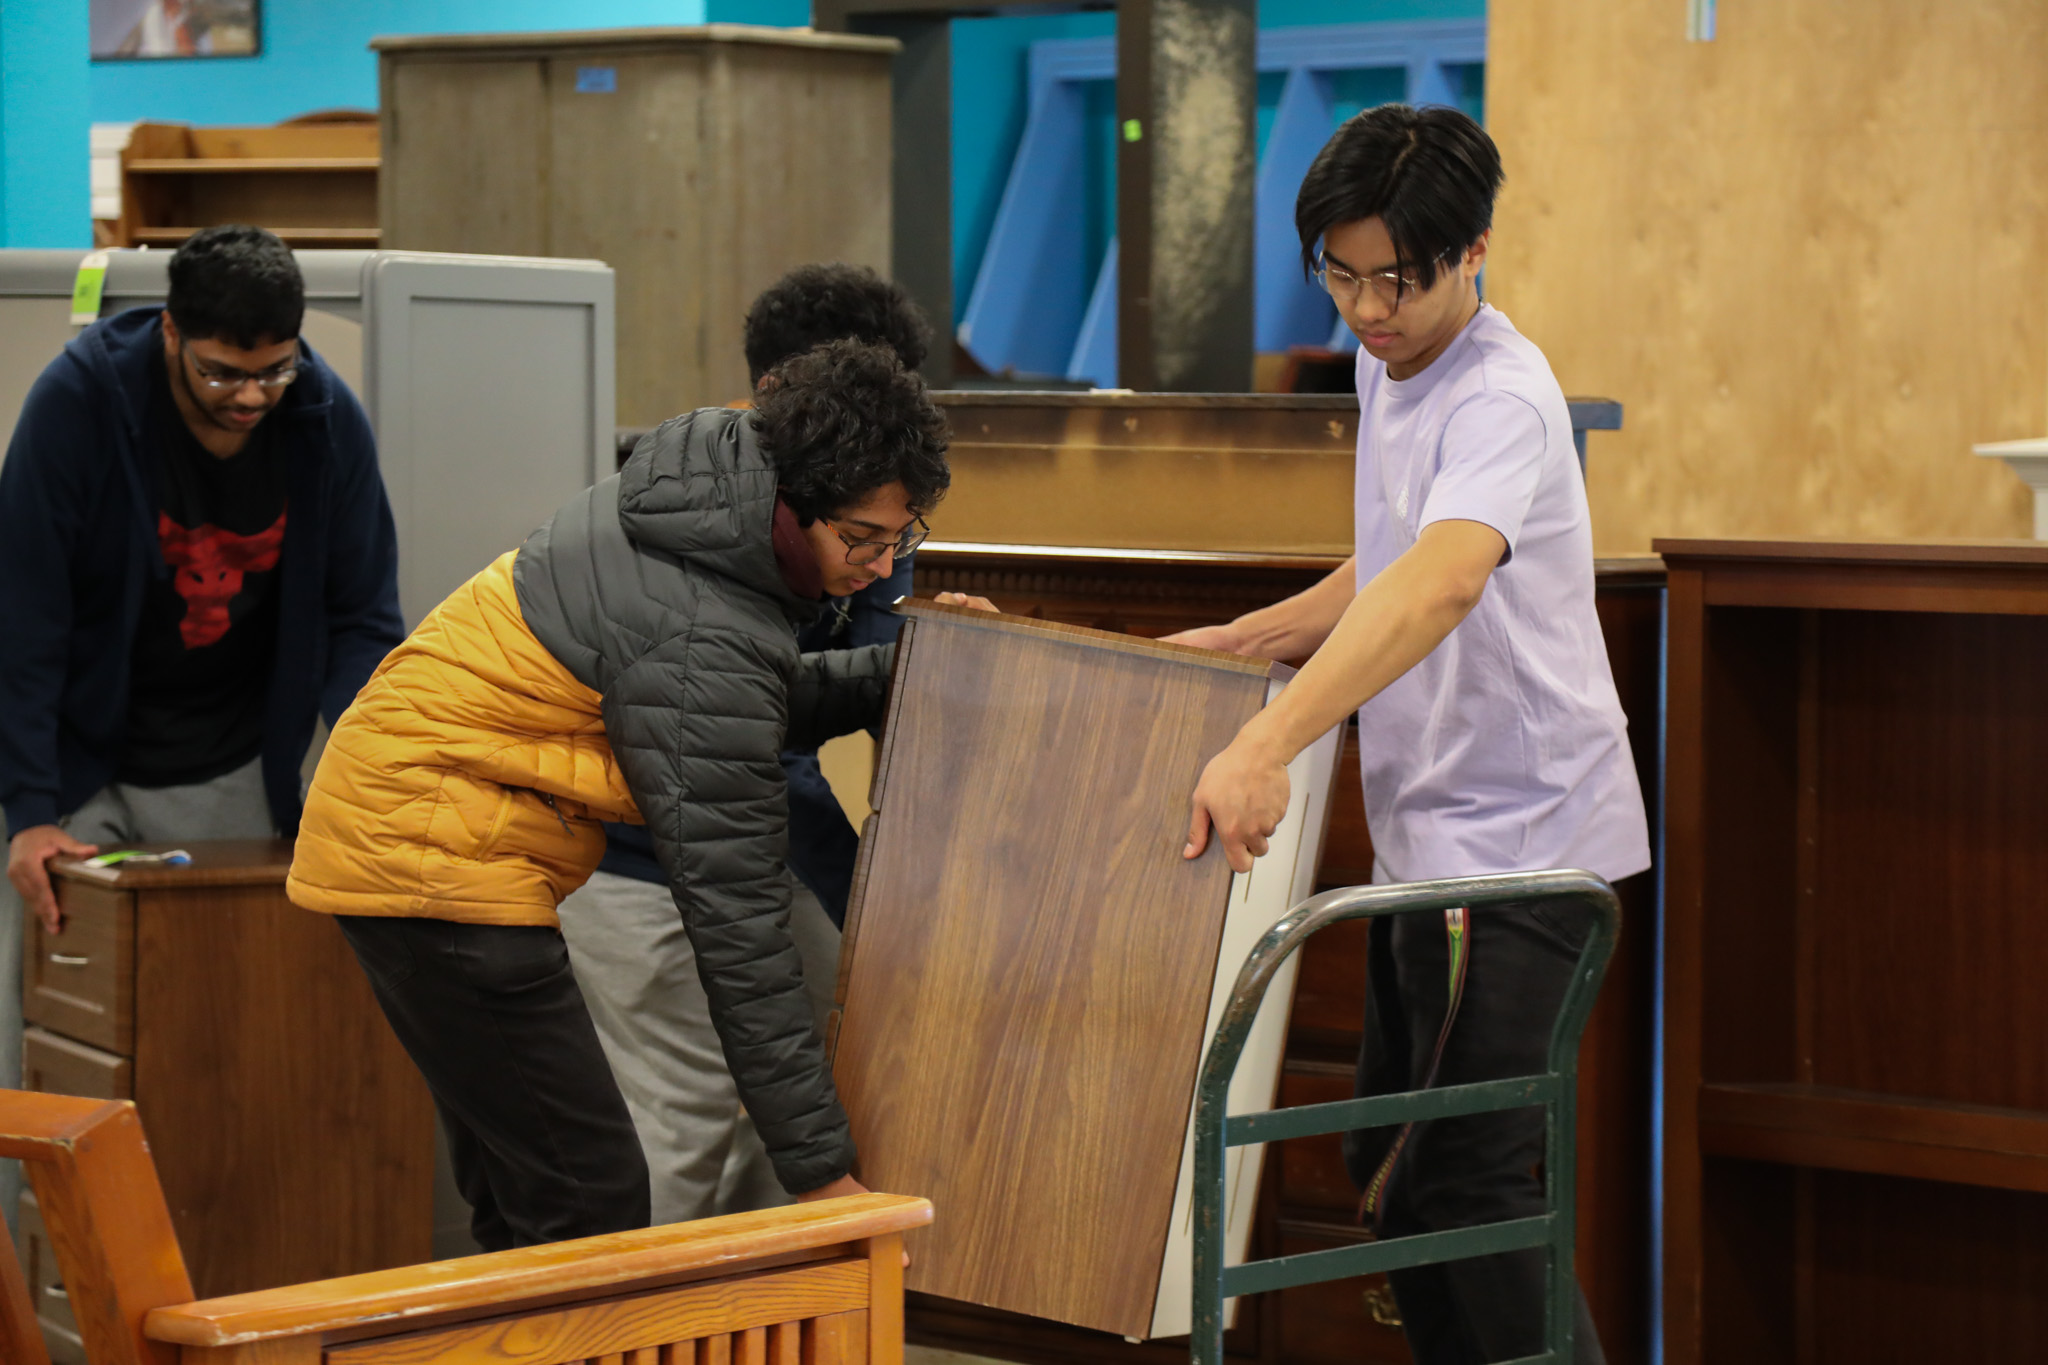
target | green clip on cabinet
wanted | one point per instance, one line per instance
(1031, 968)
(700, 163)
(292, 1134)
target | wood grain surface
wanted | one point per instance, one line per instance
(302, 1146)
(1733, 238)
(80, 981)
(1153, 592)
(215, 862)
(645, 1256)
(56, 1065)
(1854, 907)
(98, 1196)
(1033, 959)
(742, 1305)
(489, 147)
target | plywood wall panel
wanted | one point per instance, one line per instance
(1807, 257)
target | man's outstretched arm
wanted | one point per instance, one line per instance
(1388, 627)
(1290, 629)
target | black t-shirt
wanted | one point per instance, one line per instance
(208, 634)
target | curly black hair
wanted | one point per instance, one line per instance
(818, 303)
(845, 419)
(237, 284)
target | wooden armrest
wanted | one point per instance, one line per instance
(504, 1278)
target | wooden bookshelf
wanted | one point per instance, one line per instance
(314, 185)
(1856, 1117)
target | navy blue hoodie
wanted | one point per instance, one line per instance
(78, 544)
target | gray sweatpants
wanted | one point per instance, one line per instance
(231, 806)
(639, 979)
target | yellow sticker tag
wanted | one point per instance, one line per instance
(88, 287)
(1133, 130)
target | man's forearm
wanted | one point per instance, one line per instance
(1388, 627)
(1297, 626)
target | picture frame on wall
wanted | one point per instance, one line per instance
(155, 30)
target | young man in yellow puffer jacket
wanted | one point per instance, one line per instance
(634, 659)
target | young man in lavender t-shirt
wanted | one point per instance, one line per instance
(1463, 632)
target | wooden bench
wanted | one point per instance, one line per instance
(813, 1284)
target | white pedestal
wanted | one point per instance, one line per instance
(2029, 460)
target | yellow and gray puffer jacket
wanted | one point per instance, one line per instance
(635, 658)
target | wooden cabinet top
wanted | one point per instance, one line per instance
(639, 39)
(1946, 553)
(215, 862)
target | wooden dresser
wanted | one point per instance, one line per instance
(1856, 1099)
(292, 1133)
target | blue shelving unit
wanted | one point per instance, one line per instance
(1044, 299)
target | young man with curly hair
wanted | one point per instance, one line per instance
(1463, 634)
(634, 660)
(632, 958)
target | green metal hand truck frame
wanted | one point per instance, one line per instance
(1555, 1089)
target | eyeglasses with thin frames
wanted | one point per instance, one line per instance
(868, 551)
(221, 380)
(1390, 287)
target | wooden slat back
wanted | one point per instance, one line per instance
(844, 1311)
(106, 1217)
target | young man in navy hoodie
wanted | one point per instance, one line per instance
(199, 560)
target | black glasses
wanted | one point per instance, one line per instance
(221, 380)
(1389, 286)
(868, 551)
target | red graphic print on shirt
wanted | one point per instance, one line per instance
(209, 564)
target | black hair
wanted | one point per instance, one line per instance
(1429, 174)
(818, 303)
(846, 418)
(238, 284)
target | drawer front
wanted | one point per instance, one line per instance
(46, 1285)
(81, 982)
(56, 1065)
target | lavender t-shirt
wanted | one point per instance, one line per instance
(1505, 750)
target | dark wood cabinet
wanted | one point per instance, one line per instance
(1306, 1201)
(292, 1134)
(1856, 1141)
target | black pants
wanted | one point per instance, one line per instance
(1482, 1168)
(541, 1140)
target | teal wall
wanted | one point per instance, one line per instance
(316, 55)
(45, 191)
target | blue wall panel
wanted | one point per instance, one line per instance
(1026, 309)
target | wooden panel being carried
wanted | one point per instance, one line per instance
(314, 185)
(699, 163)
(1030, 964)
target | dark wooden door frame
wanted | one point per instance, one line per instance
(1186, 163)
